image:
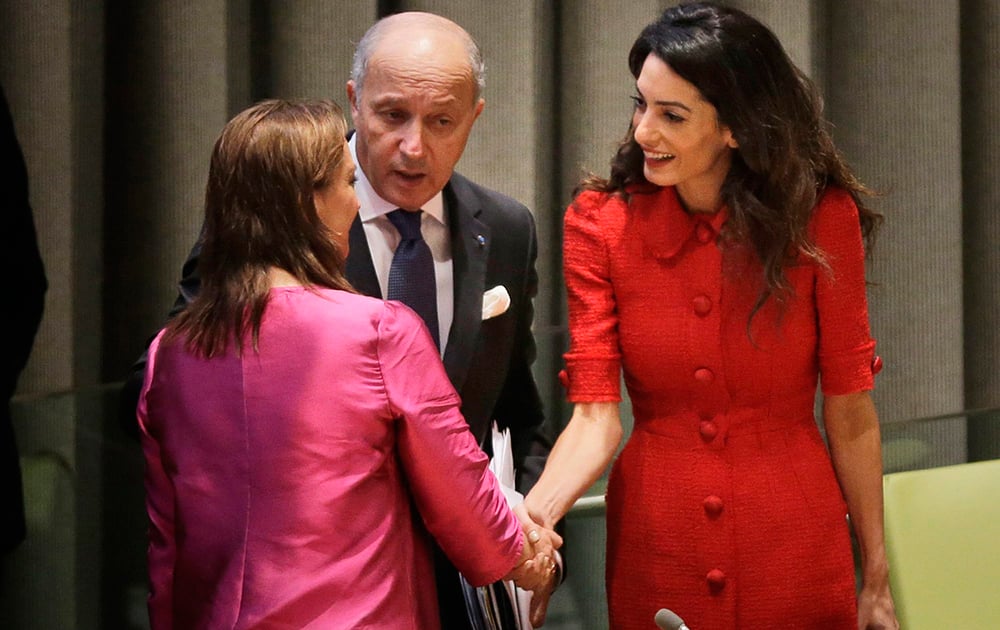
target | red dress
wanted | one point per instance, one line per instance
(723, 506)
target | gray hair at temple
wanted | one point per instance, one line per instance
(369, 42)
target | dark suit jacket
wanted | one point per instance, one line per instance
(20, 316)
(489, 362)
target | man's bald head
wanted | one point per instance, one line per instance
(414, 97)
(416, 28)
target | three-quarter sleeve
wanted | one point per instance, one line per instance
(457, 496)
(593, 362)
(846, 349)
(162, 550)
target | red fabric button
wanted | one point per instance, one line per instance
(703, 375)
(713, 506)
(708, 430)
(702, 305)
(703, 232)
(716, 580)
(876, 365)
(564, 378)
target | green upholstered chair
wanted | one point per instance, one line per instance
(942, 529)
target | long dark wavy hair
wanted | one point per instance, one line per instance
(260, 213)
(786, 156)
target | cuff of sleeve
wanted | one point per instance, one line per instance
(592, 380)
(849, 372)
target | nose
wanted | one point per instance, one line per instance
(644, 131)
(412, 142)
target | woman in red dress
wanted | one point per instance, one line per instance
(720, 267)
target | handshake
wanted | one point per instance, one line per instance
(537, 570)
(537, 566)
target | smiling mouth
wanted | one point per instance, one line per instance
(660, 157)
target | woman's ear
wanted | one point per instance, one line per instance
(731, 139)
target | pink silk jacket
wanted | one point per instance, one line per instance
(295, 486)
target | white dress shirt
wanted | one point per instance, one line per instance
(383, 238)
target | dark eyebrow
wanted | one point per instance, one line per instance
(672, 104)
(665, 103)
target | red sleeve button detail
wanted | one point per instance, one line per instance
(876, 365)
(564, 378)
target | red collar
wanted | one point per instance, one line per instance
(668, 226)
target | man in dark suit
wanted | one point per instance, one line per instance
(415, 92)
(26, 284)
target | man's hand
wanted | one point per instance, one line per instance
(540, 598)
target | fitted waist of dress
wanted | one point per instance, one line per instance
(715, 430)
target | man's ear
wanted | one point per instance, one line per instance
(352, 97)
(479, 108)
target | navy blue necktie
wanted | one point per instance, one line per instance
(411, 275)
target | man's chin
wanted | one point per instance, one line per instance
(410, 197)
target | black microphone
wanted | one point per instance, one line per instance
(669, 620)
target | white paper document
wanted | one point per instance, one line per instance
(502, 466)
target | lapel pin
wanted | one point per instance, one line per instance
(481, 240)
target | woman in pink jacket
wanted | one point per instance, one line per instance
(301, 440)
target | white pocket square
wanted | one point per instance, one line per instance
(496, 301)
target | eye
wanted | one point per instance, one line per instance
(638, 102)
(672, 117)
(393, 115)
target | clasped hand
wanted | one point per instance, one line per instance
(536, 568)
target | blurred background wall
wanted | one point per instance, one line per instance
(117, 104)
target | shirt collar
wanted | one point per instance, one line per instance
(372, 205)
(668, 225)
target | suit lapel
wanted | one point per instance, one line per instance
(360, 270)
(470, 248)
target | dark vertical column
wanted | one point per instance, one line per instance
(310, 47)
(980, 43)
(167, 101)
(36, 71)
(37, 45)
